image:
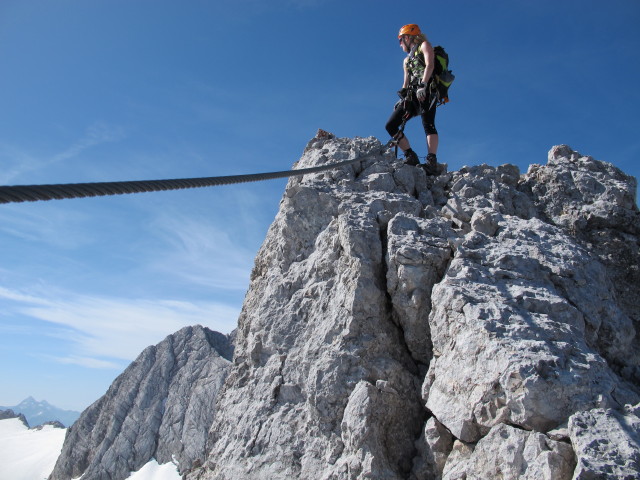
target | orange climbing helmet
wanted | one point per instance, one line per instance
(411, 29)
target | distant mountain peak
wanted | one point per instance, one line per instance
(38, 412)
(30, 401)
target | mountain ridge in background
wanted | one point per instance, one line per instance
(40, 412)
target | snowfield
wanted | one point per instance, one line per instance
(153, 471)
(31, 454)
(28, 454)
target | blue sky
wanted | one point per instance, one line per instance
(108, 90)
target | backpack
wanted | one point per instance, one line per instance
(442, 75)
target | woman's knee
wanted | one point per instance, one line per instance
(395, 120)
(429, 121)
(392, 126)
(391, 129)
(430, 129)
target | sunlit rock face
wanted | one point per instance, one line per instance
(480, 323)
(405, 326)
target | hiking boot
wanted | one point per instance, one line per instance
(410, 158)
(431, 167)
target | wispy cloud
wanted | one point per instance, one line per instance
(59, 227)
(102, 329)
(96, 134)
(18, 160)
(21, 297)
(87, 362)
(15, 162)
(202, 252)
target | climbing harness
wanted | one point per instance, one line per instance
(33, 193)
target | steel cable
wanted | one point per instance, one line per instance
(34, 193)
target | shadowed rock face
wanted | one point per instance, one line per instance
(477, 324)
(157, 408)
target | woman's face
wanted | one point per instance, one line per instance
(405, 42)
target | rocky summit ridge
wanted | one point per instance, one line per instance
(478, 324)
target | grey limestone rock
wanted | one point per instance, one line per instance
(596, 203)
(510, 326)
(52, 423)
(377, 286)
(418, 253)
(433, 448)
(323, 384)
(159, 407)
(476, 324)
(607, 443)
(374, 279)
(510, 453)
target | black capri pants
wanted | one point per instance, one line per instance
(428, 116)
